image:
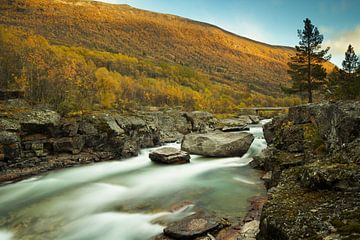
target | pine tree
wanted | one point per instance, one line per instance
(350, 75)
(345, 83)
(351, 62)
(306, 70)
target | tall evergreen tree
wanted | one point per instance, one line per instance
(345, 83)
(306, 70)
(351, 62)
(350, 75)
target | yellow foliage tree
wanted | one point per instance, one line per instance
(108, 86)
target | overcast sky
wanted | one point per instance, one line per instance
(271, 21)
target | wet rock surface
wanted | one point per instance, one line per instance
(313, 158)
(217, 144)
(197, 225)
(35, 139)
(169, 155)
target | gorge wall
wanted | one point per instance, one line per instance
(313, 173)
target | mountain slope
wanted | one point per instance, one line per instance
(225, 57)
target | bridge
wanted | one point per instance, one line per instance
(265, 109)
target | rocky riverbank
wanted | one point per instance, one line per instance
(34, 140)
(313, 173)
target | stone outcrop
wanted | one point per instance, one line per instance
(35, 139)
(218, 144)
(169, 155)
(313, 173)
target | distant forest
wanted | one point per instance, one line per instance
(78, 78)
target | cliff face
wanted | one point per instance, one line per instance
(35, 140)
(313, 164)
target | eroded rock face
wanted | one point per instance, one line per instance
(315, 173)
(169, 155)
(194, 226)
(33, 138)
(218, 144)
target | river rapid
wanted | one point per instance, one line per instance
(131, 199)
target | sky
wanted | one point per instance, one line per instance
(271, 21)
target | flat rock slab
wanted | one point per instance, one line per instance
(169, 155)
(194, 226)
(249, 230)
(218, 144)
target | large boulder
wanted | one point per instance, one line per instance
(218, 144)
(169, 155)
(194, 226)
(170, 125)
(201, 121)
(38, 121)
(337, 123)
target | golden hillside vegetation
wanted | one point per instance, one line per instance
(165, 60)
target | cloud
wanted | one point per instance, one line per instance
(339, 43)
(249, 29)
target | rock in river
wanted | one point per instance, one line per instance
(169, 155)
(194, 226)
(218, 144)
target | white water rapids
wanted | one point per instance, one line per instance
(128, 200)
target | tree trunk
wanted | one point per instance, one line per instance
(309, 75)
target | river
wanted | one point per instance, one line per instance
(131, 199)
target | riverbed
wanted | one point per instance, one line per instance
(131, 199)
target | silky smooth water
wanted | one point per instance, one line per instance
(127, 200)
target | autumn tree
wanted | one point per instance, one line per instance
(108, 86)
(306, 69)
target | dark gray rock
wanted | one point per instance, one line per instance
(38, 121)
(169, 155)
(340, 177)
(87, 128)
(218, 144)
(70, 127)
(129, 123)
(113, 127)
(194, 226)
(130, 148)
(8, 137)
(72, 145)
(201, 121)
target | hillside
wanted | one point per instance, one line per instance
(245, 68)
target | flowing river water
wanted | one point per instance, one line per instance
(131, 199)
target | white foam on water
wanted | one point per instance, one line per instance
(114, 225)
(86, 200)
(243, 180)
(57, 181)
(5, 235)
